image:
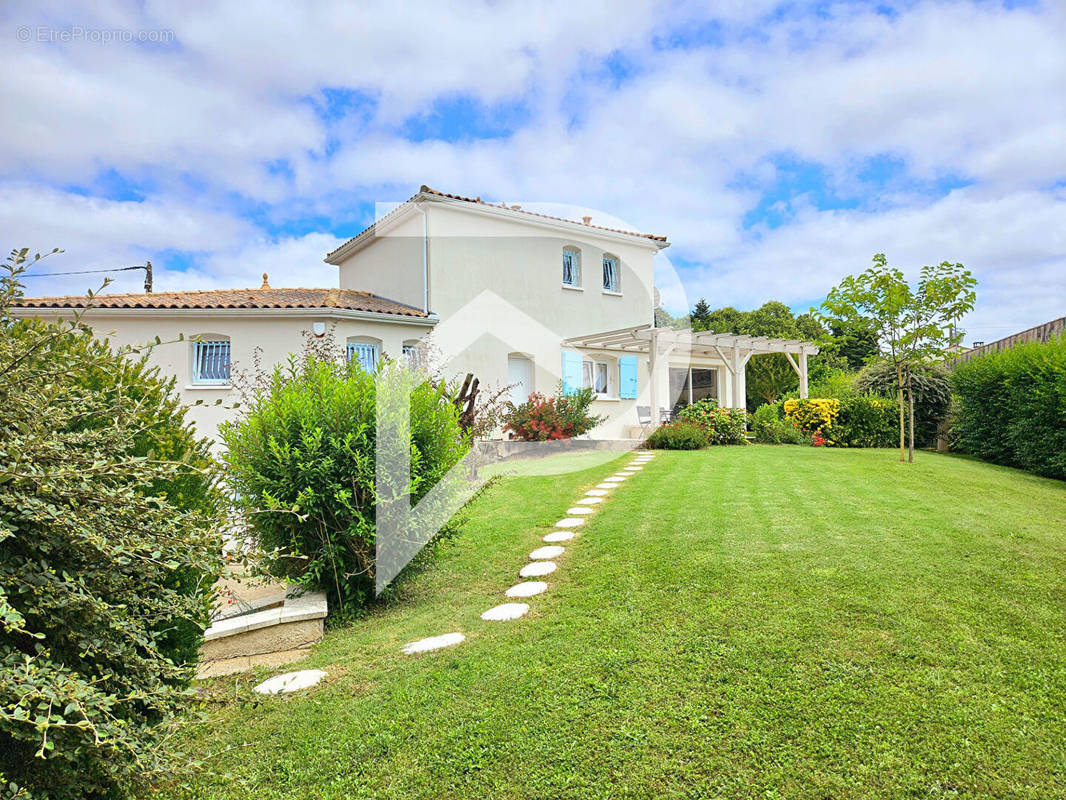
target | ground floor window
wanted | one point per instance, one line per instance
(689, 385)
(211, 361)
(365, 354)
(595, 377)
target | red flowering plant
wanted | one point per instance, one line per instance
(542, 419)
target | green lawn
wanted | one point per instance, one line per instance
(738, 622)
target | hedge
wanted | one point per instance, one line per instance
(1011, 407)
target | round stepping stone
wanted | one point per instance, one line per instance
(526, 589)
(558, 536)
(291, 682)
(505, 611)
(549, 552)
(633, 468)
(580, 510)
(595, 493)
(537, 569)
(434, 643)
(590, 501)
(618, 477)
(569, 522)
(606, 485)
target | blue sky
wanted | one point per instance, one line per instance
(778, 145)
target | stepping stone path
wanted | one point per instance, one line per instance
(537, 569)
(434, 643)
(549, 552)
(539, 566)
(505, 611)
(559, 536)
(526, 589)
(291, 682)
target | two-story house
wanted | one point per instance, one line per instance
(517, 298)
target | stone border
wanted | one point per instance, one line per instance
(308, 606)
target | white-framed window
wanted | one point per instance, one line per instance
(571, 267)
(409, 352)
(365, 353)
(612, 273)
(211, 360)
(595, 376)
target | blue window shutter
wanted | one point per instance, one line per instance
(571, 372)
(627, 377)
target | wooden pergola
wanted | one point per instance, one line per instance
(733, 350)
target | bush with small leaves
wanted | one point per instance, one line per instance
(302, 459)
(109, 546)
(723, 425)
(678, 435)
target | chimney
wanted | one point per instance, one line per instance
(148, 277)
(265, 284)
(587, 220)
(516, 207)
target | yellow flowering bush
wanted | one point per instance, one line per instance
(815, 417)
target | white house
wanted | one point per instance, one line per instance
(515, 297)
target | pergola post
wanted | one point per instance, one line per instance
(803, 374)
(653, 379)
(740, 389)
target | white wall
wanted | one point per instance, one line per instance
(274, 335)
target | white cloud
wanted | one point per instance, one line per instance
(683, 145)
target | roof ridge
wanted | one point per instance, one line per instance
(424, 189)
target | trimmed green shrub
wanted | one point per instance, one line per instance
(302, 459)
(678, 435)
(769, 428)
(109, 547)
(932, 395)
(541, 418)
(866, 420)
(723, 425)
(1011, 407)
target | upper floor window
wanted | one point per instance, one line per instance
(612, 277)
(571, 266)
(211, 360)
(364, 352)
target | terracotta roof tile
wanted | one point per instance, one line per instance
(477, 200)
(347, 299)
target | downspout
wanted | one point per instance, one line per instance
(425, 258)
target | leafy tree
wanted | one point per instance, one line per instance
(664, 319)
(725, 320)
(857, 343)
(910, 325)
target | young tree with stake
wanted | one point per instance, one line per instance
(910, 324)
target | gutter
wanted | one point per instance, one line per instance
(425, 257)
(188, 313)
